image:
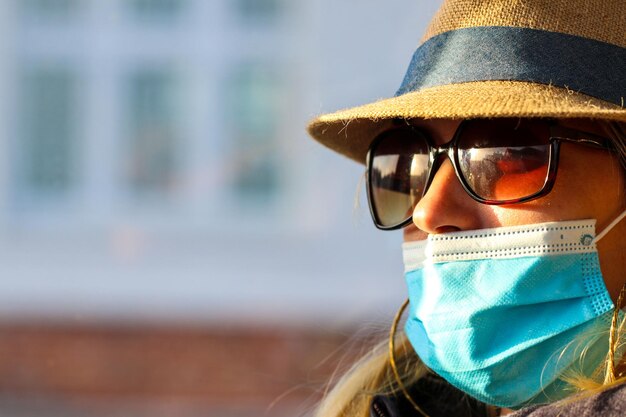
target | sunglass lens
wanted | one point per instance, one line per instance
(398, 171)
(504, 160)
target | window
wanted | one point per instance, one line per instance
(253, 106)
(156, 10)
(152, 153)
(258, 10)
(49, 8)
(47, 132)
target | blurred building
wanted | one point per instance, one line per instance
(155, 174)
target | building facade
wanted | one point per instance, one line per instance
(155, 162)
(155, 175)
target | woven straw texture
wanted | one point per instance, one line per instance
(350, 131)
(602, 20)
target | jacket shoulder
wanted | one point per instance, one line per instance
(608, 403)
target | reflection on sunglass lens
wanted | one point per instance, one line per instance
(499, 161)
(397, 174)
(504, 160)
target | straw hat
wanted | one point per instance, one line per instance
(501, 58)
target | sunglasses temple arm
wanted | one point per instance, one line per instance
(577, 136)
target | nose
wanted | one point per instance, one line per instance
(446, 207)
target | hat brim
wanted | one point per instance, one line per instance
(350, 132)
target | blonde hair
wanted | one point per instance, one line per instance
(371, 375)
(352, 394)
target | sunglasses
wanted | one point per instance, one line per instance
(497, 161)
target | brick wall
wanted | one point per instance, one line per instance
(185, 371)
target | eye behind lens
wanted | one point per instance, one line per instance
(506, 159)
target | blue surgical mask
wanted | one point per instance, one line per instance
(502, 313)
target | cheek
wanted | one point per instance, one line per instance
(589, 185)
(613, 259)
(594, 190)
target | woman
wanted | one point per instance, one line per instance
(503, 159)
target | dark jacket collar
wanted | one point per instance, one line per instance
(435, 396)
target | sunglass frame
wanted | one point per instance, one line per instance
(558, 134)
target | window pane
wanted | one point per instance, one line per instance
(47, 131)
(154, 139)
(156, 9)
(49, 8)
(258, 10)
(253, 115)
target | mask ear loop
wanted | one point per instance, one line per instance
(392, 358)
(609, 227)
(614, 332)
(614, 337)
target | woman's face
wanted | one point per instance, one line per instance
(590, 184)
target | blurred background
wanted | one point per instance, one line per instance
(171, 241)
